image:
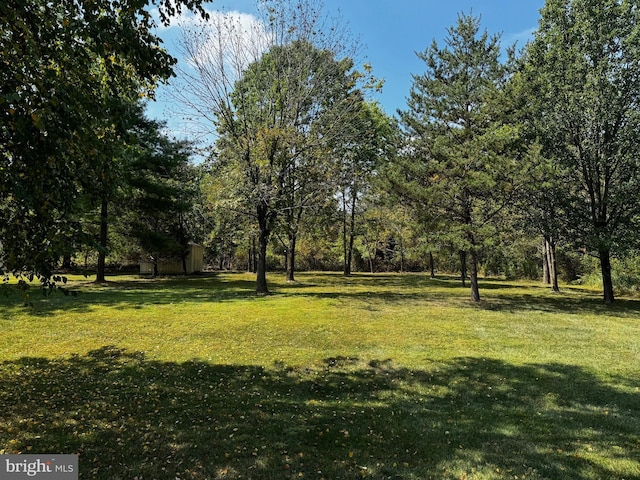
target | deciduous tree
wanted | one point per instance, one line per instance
(372, 142)
(584, 72)
(277, 100)
(285, 109)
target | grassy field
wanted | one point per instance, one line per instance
(373, 376)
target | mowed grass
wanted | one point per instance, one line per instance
(372, 376)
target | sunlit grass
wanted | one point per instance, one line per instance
(380, 376)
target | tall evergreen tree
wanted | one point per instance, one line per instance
(459, 153)
(161, 189)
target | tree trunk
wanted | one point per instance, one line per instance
(349, 257)
(369, 256)
(66, 262)
(102, 253)
(605, 269)
(252, 266)
(346, 266)
(291, 259)
(552, 264)
(473, 270)
(294, 217)
(261, 271)
(348, 230)
(263, 242)
(546, 278)
(432, 267)
(352, 237)
(463, 267)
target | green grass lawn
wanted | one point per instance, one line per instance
(373, 376)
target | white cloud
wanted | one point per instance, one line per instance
(212, 56)
(521, 38)
(226, 41)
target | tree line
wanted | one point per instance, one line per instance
(499, 154)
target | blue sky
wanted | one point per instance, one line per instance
(392, 31)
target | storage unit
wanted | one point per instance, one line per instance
(194, 260)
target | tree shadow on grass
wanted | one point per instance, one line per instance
(496, 295)
(372, 291)
(577, 303)
(131, 417)
(135, 293)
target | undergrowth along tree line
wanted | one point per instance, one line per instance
(522, 163)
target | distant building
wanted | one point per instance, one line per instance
(194, 263)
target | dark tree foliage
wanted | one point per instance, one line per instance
(161, 185)
(66, 70)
